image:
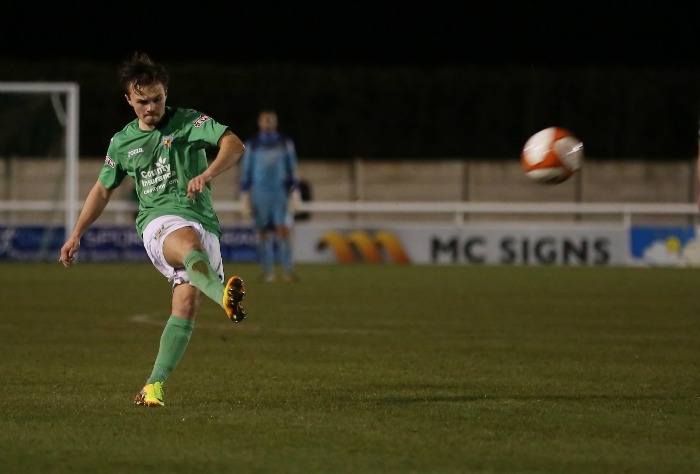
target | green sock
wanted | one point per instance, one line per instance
(203, 277)
(173, 343)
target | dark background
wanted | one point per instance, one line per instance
(403, 80)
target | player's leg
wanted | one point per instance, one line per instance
(266, 247)
(184, 251)
(184, 305)
(283, 236)
(183, 248)
(284, 244)
(178, 330)
(186, 298)
(264, 219)
(173, 343)
(198, 251)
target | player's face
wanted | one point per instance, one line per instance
(148, 103)
(267, 122)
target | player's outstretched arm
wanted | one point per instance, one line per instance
(230, 151)
(94, 204)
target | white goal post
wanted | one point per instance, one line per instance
(68, 115)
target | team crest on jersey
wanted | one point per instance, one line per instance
(202, 118)
(109, 161)
(167, 140)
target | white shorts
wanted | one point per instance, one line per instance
(159, 228)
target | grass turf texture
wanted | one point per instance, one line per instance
(357, 368)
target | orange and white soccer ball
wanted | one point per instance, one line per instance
(552, 156)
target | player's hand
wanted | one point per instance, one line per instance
(68, 250)
(196, 185)
(294, 201)
(246, 208)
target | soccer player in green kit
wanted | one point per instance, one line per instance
(163, 150)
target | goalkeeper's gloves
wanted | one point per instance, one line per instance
(246, 209)
(294, 202)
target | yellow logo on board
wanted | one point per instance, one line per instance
(361, 246)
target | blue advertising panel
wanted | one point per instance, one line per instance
(662, 245)
(107, 243)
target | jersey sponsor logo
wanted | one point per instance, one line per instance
(158, 177)
(361, 246)
(200, 121)
(133, 152)
(109, 161)
(167, 140)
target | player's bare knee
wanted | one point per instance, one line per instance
(186, 300)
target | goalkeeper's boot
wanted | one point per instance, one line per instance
(151, 395)
(291, 277)
(233, 297)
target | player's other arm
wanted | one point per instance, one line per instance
(95, 203)
(231, 149)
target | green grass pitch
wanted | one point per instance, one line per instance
(356, 369)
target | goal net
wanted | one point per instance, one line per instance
(39, 126)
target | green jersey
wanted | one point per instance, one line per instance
(162, 162)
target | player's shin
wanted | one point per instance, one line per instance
(202, 275)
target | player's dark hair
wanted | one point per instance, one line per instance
(140, 70)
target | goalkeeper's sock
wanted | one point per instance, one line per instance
(267, 252)
(285, 249)
(202, 275)
(173, 343)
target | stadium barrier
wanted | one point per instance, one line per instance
(455, 212)
(604, 234)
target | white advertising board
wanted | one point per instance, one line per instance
(478, 244)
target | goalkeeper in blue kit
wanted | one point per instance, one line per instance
(270, 194)
(163, 151)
